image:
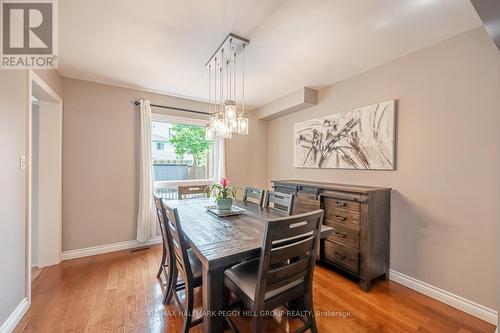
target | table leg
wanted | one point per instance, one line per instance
(213, 295)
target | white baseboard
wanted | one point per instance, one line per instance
(15, 317)
(100, 249)
(470, 307)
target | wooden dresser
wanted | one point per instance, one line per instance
(360, 216)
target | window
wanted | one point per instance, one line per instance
(181, 154)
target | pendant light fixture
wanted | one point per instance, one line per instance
(225, 77)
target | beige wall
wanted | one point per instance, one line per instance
(445, 202)
(13, 98)
(100, 160)
(246, 155)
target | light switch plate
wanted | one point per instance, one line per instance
(22, 162)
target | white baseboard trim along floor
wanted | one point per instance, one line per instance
(100, 249)
(15, 317)
(458, 302)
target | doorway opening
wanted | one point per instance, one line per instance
(44, 229)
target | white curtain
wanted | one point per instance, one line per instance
(219, 162)
(146, 219)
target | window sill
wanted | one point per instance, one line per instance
(175, 183)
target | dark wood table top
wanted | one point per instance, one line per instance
(225, 241)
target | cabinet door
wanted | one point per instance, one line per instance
(305, 202)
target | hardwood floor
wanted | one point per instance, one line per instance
(119, 292)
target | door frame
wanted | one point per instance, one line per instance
(34, 80)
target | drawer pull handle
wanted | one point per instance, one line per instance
(339, 234)
(338, 256)
(341, 204)
(341, 218)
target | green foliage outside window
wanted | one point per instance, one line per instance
(190, 139)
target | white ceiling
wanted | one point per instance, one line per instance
(163, 45)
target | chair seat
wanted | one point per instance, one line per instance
(195, 264)
(244, 276)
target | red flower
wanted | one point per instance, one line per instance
(224, 182)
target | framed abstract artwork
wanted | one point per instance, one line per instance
(361, 138)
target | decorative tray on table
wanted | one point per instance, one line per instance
(225, 213)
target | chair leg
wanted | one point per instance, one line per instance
(225, 298)
(231, 325)
(225, 305)
(189, 309)
(257, 324)
(308, 304)
(171, 284)
(168, 285)
(162, 264)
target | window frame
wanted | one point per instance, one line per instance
(157, 117)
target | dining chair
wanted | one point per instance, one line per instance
(280, 201)
(167, 264)
(254, 195)
(283, 273)
(187, 264)
(165, 246)
(190, 191)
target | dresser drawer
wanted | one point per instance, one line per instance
(339, 204)
(343, 256)
(341, 214)
(344, 195)
(335, 218)
(344, 236)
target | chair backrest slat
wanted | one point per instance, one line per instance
(280, 201)
(177, 252)
(288, 252)
(179, 244)
(295, 227)
(190, 191)
(283, 253)
(255, 195)
(289, 270)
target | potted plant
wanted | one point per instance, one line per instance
(224, 193)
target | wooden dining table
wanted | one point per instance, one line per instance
(222, 242)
